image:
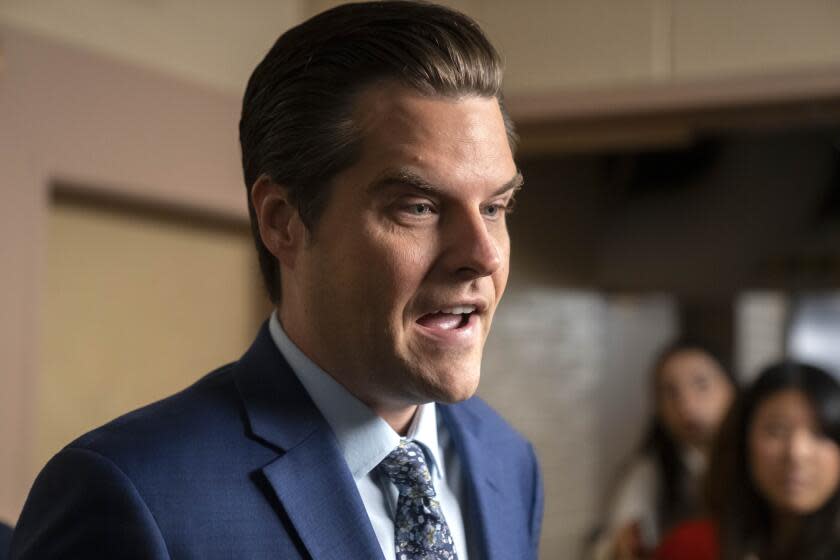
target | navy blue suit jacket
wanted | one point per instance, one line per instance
(5, 537)
(242, 465)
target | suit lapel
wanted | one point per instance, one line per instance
(319, 495)
(310, 476)
(483, 476)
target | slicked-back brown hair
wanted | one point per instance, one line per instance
(297, 127)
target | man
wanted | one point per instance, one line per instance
(379, 169)
(5, 537)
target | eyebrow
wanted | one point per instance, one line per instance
(408, 178)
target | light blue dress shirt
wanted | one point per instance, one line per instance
(366, 439)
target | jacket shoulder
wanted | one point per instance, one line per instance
(202, 411)
(476, 412)
(83, 506)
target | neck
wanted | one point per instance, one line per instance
(700, 449)
(398, 418)
(786, 529)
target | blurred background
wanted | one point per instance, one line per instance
(682, 165)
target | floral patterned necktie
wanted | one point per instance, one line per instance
(420, 531)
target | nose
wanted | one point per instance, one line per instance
(799, 445)
(473, 249)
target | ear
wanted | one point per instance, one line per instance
(281, 228)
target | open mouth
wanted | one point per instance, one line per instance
(448, 319)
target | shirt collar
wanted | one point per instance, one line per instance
(365, 439)
(424, 430)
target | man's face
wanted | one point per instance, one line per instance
(395, 290)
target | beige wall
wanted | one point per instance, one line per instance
(559, 45)
(573, 44)
(212, 42)
(568, 44)
(570, 370)
(134, 309)
(71, 117)
(549, 45)
(721, 37)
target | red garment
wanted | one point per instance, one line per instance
(692, 540)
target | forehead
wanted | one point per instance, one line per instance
(450, 141)
(790, 405)
(686, 364)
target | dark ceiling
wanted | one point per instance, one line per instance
(728, 211)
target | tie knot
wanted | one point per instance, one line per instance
(407, 469)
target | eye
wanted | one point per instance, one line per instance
(496, 209)
(419, 209)
(414, 209)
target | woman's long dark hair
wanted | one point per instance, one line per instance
(674, 502)
(743, 514)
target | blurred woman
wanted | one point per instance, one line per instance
(660, 487)
(773, 486)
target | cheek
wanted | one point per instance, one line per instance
(394, 262)
(726, 401)
(828, 466)
(718, 404)
(670, 417)
(764, 456)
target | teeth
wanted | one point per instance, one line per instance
(459, 310)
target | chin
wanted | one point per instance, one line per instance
(456, 386)
(799, 509)
(445, 377)
(456, 396)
